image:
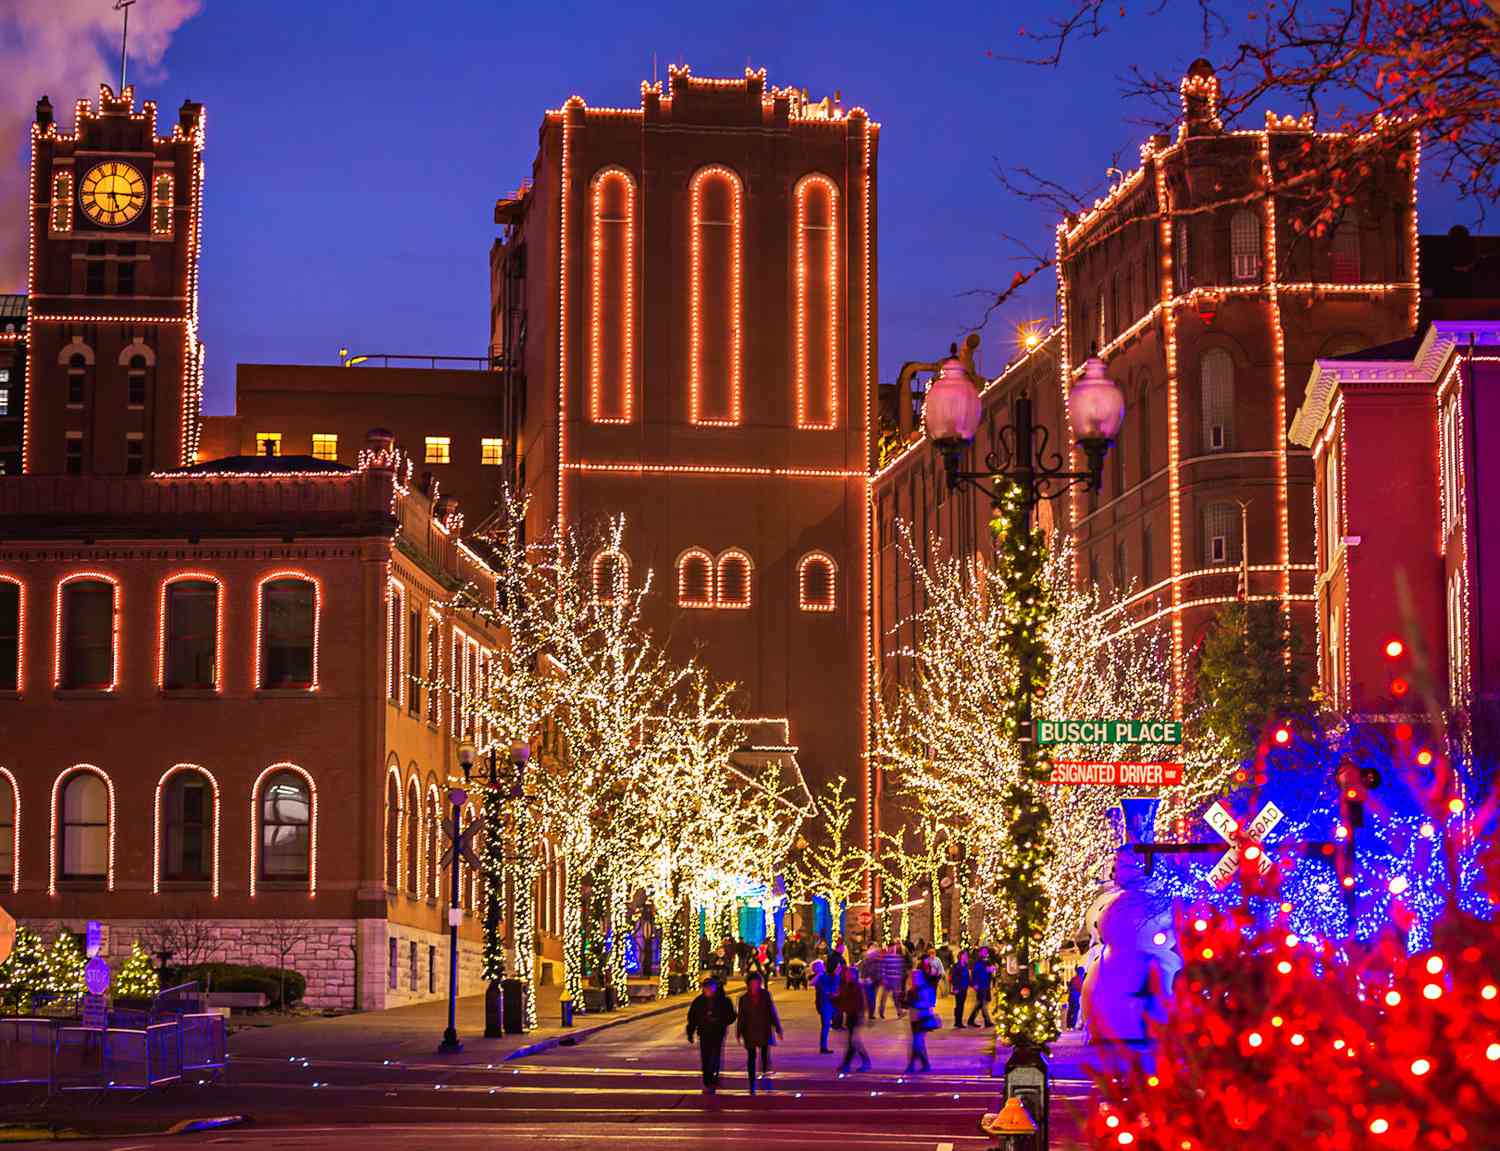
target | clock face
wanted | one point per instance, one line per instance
(112, 193)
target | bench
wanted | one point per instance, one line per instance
(237, 1000)
(642, 992)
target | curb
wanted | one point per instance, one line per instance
(572, 1038)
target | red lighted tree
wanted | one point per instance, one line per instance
(1280, 1043)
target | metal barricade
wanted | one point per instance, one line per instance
(25, 1051)
(163, 1053)
(203, 1042)
(80, 1059)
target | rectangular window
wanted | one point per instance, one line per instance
(7, 832)
(4, 400)
(73, 454)
(288, 610)
(75, 387)
(394, 617)
(93, 278)
(413, 965)
(391, 978)
(191, 643)
(135, 385)
(125, 278)
(437, 450)
(135, 454)
(434, 671)
(10, 636)
(492, 451)
(431, 970)
(414, 663)
(268, 443)
(88, 639)
(325, 446)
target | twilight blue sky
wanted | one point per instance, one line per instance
(355, 149)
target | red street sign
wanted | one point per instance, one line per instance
(1116, 774)
(864, 918)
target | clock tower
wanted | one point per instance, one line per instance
(114, 377)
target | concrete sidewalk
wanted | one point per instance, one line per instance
(404, 1034)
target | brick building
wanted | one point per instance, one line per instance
(1395, 433)
(684, 296)
(1209, 311)
(12, 381)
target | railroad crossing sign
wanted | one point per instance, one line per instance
(464, 843)
(1243, 842)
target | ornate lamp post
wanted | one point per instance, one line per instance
(457, 796)
(1022, 471)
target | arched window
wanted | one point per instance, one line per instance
(695, 579)
(1217, 378)
(733, 579)
(611, 575)
(189, 826)
(84, 839)
(1244, 246)
(413, 839)
(432, 829)
(191, 620)
(1333, 498)
(87, 616)
(10, 838)
(288, 626)
(12, 611)
(392, 828)
(1343, 255)
(612, 323)
(286, 832)
(715, 305)
(1221, 533)
(816, 590)
(816, 304)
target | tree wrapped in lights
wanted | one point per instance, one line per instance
(137, 979)
(828, 864)
(909, 858)
(1038, 852)
(65, 964)
(24, 972)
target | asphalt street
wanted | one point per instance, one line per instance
(638, 1082)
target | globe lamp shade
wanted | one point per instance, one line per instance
(1096, 404)
(952, 409)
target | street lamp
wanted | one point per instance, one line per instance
(457, 797)
(1023, 460)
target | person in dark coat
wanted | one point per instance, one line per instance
(958, 977)
(756, 1020)
(1075, 997)
(981, 978)
(826, 997)
(850, 1002)
(709, 1017)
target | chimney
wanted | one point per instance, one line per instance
(1200, 99)
(43, 112)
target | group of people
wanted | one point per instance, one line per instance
(902, 976)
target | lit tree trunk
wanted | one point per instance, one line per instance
(523, 887)
(619, 915)
(493, 870)
(572, 926)
(674, 939)
(935, 897)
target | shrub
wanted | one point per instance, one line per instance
(246, 977)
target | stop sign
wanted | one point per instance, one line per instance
(864, 918)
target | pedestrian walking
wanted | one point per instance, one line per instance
(709, 1017)
(869, 977)
(827, 985)
(850, 1001)
(893, 969)
(958, 978)
(1075, 997)
(982, 976)
(755, 1023)
(922, 998)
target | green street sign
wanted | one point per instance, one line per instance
(1108, 731)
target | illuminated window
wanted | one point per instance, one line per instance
(4, 398)
(187, 828)
(60, 219)
(1221, 533)
(612, 297)
(413, 838)
(288, 632)
(285, 828)
(1343, 256)
(191, 620)
(492, 451)
(1217, 377)
(7, 830)
(611, 571)
(815, 583)
(325, 446)
(1244, 241)
(816, 303)
(85, 827)
(1458, 643)
(10, 635)
(733, 578)
(715, 317)
(437, 450)
(88, 634)
(162, 204)
(268, 443)
(695, 579)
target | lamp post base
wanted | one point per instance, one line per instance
(450, 1043)
(1026, 1079)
